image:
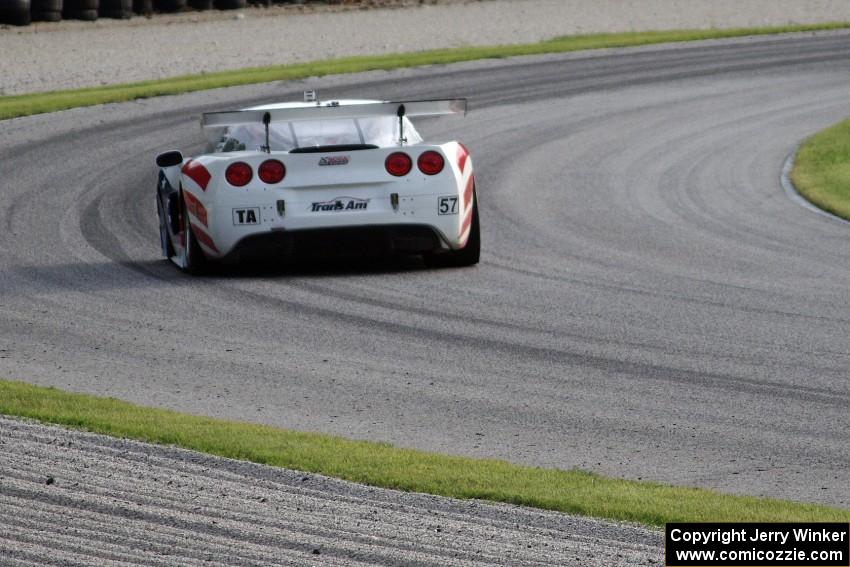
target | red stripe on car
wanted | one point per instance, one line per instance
(197, 173)
(204, 238)
(465, 230)
(467, 193)
(462, 155)
(466, 222)
(194, 206)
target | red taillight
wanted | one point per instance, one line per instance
(238, 174)
(271, 171)
(462, 155)
(430, 163)
(398, 164)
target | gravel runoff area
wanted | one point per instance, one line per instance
(51, 56)
(74, 498)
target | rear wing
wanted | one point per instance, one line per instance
(330, 111)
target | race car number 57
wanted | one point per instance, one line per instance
(447, 205)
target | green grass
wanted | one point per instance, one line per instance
(822, 169)
(380, 464)
(22, 105)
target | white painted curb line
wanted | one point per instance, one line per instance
(791, 191)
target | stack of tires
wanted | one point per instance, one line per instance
(80, 9)
(143, 7)
(22, 12)
(15, 12)
(46, 10)
(117, 9)
(230, 4)
(169, 5)
(201, 4)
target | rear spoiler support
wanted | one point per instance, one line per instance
(401, 138)
(267, 118)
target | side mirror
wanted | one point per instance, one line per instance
(169, 159)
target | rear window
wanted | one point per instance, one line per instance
(381, 131)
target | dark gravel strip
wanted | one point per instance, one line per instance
(73, 498)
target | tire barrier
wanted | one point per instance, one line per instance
(116, 9)
(46, 10)
(80, 9)
(169, 5)
(15, 12)
(230, 4)
(143, 7)
(22, 12)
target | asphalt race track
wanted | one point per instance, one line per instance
(650, 303)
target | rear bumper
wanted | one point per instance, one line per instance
(367, 208)
(359, 241)
(231, 220)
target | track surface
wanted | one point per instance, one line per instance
(650, 303)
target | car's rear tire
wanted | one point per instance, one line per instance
(164, 237)
(192, 259)
(469, 255)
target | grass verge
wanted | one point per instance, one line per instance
(380, 464)
(23, 105)
(822, 169)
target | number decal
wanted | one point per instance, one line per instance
(447, 205)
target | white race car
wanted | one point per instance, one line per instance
(318, 179)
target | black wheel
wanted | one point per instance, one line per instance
(85, 15)
(144, 7)
(46, 16)
(46, 6)
(191, 258)
(469, 255)
(201, 4)
(116, 9)
(80, 10)
(46, 10)
(15, 12)
(164, 237)
(231, 4)
(169, 5)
